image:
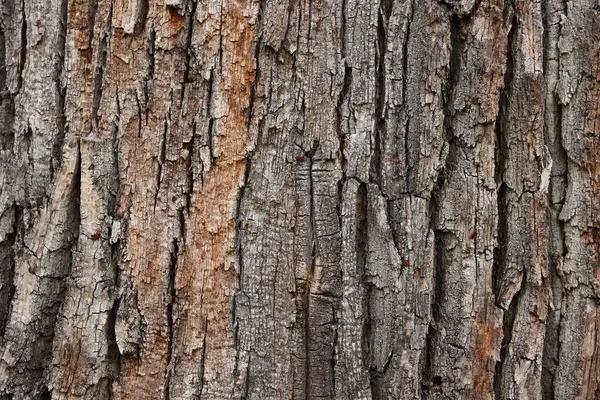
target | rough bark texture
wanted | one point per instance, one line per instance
(314, 199)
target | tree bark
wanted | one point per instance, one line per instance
(266, 199)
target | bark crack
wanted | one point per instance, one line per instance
(99, 72)
(61, 89)
(23, 48)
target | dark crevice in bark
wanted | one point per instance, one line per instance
(430, 383)
(100, 69)
(117, 247)
(500, 249)
(2, 61)
(239, 223)
(385, 10)
(500, 252)
(44, 393)
(171, 297)
(7, 134)
(257, 71)
(361, 244)
(220, 53)
(209, 106)
(334, 345)
(405, 55)
(161, 160)
(307, 289)
(362, 230)
(140, 18)
(61, 89)
(239, 228)
(151, 56)
(113, 354)
(374, 383)
(344, 10)
(551, 12)
(457, 43)
(189, 179)
(139, 115)
(91, 22)
(203, 359)
(501, 151)
(507, 328)
(190, 23)
(163, 149)
(343, 96)
(150, 70)
(11, 244)
(308, 39)
(23, 48)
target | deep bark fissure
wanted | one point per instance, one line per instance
(113, 354)
(385, 10)
(100, 69)
(161, 160)
(240, 197)
(405, 53)
(343, 97)
(2, 65)
(11, 242)
(171, 295)
(190, 23)
(203, 359)
(23, 48)
(61, 90)
(552, 133)
(139, 115)
(500, 252)
(149, 76)
(91, 23)
(141, 16)
(507, 328)
(501, 151)
(257, 71)
(211, 121)
(220, 51)
(307, 289)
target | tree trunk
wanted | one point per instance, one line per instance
(336, 199)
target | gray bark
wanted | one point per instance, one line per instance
(341, 199)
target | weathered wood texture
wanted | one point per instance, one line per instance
(314, 199)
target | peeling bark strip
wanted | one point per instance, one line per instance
(341, 199)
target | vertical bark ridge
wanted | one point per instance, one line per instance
(552, 11)
(470, 324)
(577, 91)
(48, 198)
(526, 174)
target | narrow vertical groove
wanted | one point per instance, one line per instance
(60, 90)
(91, 23)
(210, 139)
(240, 198)
(7, 287)
(23, 48)
(309, 278)
(100, 69)
(500, 157)
(385, 10)
(552, 10)
(171, 294)
(190, 23)
(405, 55)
